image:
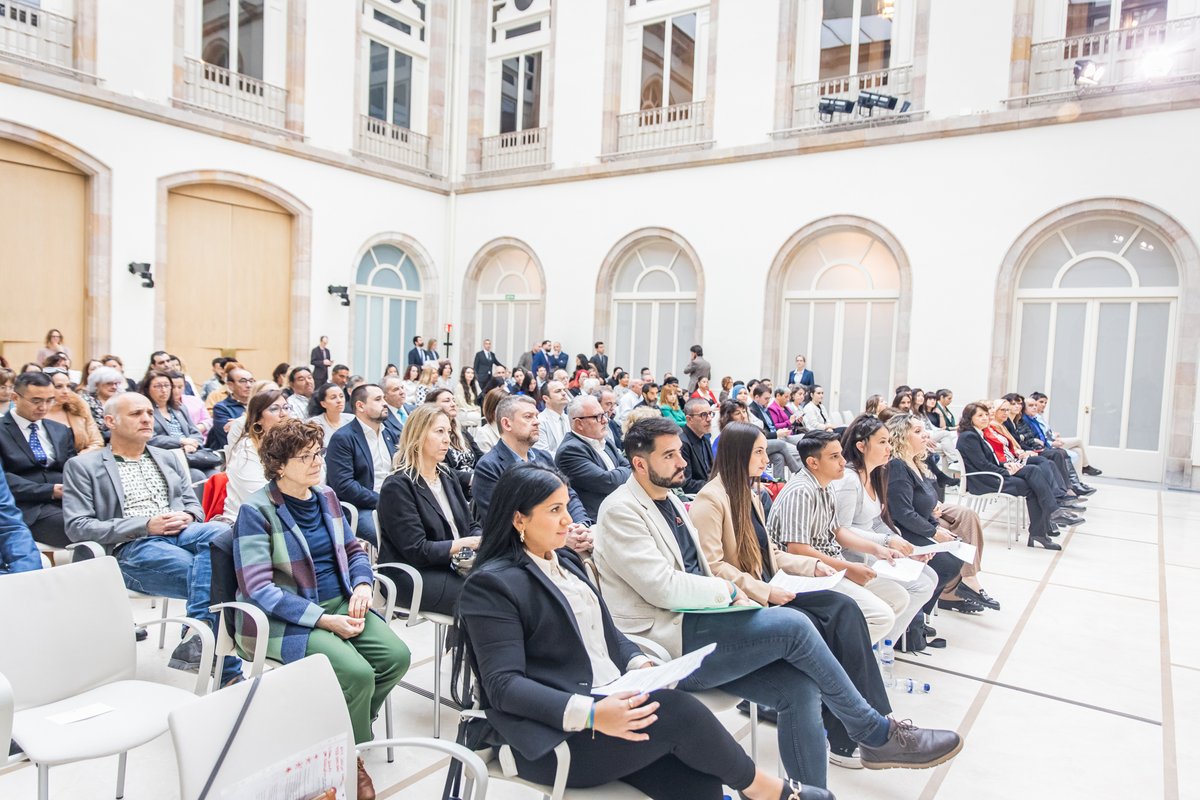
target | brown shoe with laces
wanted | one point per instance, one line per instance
(366, 789)
(910, 747)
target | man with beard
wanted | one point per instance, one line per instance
(360, 456)
(652, 568)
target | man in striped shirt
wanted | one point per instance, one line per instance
(803, 520)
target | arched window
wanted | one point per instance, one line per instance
(655, 298)
(1095, 318)
(841, 297)
(387, 299)
(510, 305)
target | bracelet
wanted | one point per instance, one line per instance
(591, 720)
(733, 594)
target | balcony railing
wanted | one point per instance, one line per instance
(806, 97)
(219, 90)
(515, 150)
(388, 142)
(1166, 51)
(28, 33)
(658, 128)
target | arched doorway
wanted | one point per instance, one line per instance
(387, 305)
(504, 299)
(649, 296)
(838, 294)
(1095, 313)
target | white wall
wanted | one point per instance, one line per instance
(969, 48)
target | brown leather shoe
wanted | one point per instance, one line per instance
(366, 789)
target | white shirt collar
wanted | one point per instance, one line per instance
(22, 422)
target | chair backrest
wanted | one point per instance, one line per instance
(7, 709)
(65, 630)
(296, 710)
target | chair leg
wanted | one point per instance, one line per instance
(121, 775)
(754, 732)
(43, 782)
(162, 629)
(439, 643)
(387, 724)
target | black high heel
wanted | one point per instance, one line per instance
(1044, 541)
(793, 790)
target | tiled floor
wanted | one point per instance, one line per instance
(1085, 685)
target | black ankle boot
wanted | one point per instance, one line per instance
(1044, 541)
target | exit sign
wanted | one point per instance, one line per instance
(510, 297)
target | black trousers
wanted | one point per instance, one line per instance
(689, 755)
(439, 593)
(1062, 462)
(1032, 483)
(1051, 472)
(840, 622)
(948, 569)
(49, 528)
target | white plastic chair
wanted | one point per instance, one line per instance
(1013, 507)
(441, 624)
(295, 709)
(76, 651)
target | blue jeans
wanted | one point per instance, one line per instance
(775, 656)
(177, 566)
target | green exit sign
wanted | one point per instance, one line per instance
(510, 297)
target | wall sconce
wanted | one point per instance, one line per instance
(342, 292)
(142, 270)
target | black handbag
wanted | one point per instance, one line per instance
(203, 460)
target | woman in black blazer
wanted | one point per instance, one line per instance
(540, 637)
(424, 519)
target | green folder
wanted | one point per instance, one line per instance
(716, 610)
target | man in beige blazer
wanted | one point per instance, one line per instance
(652, 568)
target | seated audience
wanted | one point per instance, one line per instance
(913, 508)
(903, 401)
(240, 384)
(30, 366)
(814, 413)
(553, 424)
(536, 669)
(468, 396)
(327, 410)
(53, 345)
(608, 404)
(780, 444)
(360, 456)
(412, 373)
(860, 497)
(487, 434)
(981, 452)
(33, 451)
(1029, 441)
(244, 467)
(593, 465)
(1069, 506)
(704, 391)
(7, 376)
(781, 415)
(173, 428)
(69, 409)
(426, 382)
(726, 388)
(102, 384)
(1072, 444)
(279, 375)
(18, 551)
(424, 520)
(445, 375)
(651, 565)
(191, 404)
(137, 501)
(395, 395)
(731, 523)
(520, 428)
(872, 405)
(630, 398)
(315, 588)
(300, 381)
(462, 455)
(649, 396)
(669, 405)
(217, 380)
(803, 519)
(697, 444)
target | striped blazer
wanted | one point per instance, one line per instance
(275, 569)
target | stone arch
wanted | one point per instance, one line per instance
(471, 337)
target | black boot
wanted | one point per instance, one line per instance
(1044, 541)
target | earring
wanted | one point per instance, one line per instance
(521, 533)
(256, 427)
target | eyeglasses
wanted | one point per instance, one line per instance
(278, 410)
(308, 458)
(37, 402)
(601, 417)
(245, 381)
(702, 414)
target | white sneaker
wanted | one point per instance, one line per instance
(851, 761)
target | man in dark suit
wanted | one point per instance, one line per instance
(697, 368)
(600, 360)
(34, 451)
(593, 464)
(485, 360)
(697, 444)
(608, 404)
(541, 358)
(241, 387)
(801, 375)
(558, 359)
(416, 356)
(360, 456)
(321, 361)
(780, 445)
(398, 407)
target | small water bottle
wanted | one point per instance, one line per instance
(887, 662)
(913, 687)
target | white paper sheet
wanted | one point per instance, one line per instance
(958, 549)
(315, 769)
(905, 570)
(797, 584)
(79, 714)
(660, 677)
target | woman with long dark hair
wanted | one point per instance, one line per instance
(468, 397)
(327, 407)
(730, 518)
(540, 639)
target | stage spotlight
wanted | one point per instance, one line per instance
(869, 101)
(833, 105)
(1087, 72)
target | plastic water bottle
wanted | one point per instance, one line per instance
(887, 663)
(913, 687)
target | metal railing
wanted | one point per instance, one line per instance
(228, 93)
(806, 97)
(388, 142)
(515, 150)
(28, 33)
(658, 128)
(1167, 51)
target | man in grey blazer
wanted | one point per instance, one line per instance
(137, 501)
(653, 571)
(697, 368)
